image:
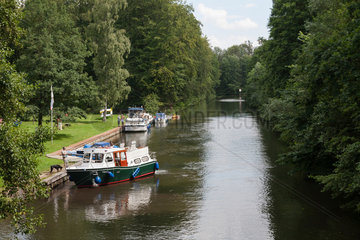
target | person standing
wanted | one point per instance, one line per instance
(64, 155)
(122, 119)
(119, 120)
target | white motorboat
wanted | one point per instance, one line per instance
(138, 120)
(161, 120)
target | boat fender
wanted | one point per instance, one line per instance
(111, 175)
(135, 173)
(157, 166)
(97, 180)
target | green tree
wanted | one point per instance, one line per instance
(10, 15)
(54, 54)
(234, 66)
(318, 111)
(152, 103)
(18, 148)
(169, 57)
(278, 53)
(329, 72)
(109, 46)
(287, 20)
(254, 91)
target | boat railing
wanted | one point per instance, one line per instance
(153, 155)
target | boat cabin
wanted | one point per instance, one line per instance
(107, 157)
(136, 112)
(160, 116)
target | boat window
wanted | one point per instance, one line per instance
(145, 158)
(97, 157)
(117, 156)
(86, 158)
(108, 157)
(137, 161)
(123, 156)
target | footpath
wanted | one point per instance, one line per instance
(57, 177)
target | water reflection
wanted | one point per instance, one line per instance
(104, 204)
(161, 124)
(297, 208)
(234, 186)
(107, 207)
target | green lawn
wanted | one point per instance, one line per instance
(80, 130)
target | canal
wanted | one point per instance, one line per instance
(218, 180)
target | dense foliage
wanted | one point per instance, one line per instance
(54, 53)
(169, 57)
(312, 96)
(18, 148)
(277, 54)
(234, 64)
(83, 49)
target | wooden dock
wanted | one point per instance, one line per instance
(54, 179)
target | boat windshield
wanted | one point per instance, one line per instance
(136, 113)
(97, 157)
(86, 158)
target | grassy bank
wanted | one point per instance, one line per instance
(77, 131)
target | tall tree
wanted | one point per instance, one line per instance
(169, 57)
(287, 20)
(278, 53)
(20, 183)
(326, 99)
(318, 111)
(54, 54)
(254, 90)
(10, 15)
(109, 46)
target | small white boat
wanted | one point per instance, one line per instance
(161, 120)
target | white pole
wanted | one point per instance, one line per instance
(51, 118)
(52, 130)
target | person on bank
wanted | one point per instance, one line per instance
(64, 155)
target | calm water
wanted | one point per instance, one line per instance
(218, 180)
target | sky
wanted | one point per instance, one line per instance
(232, 22)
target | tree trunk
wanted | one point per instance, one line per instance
(40, 118)
(105, 110)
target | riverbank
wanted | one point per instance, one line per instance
(71, 134)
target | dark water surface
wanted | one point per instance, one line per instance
(218, 180)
